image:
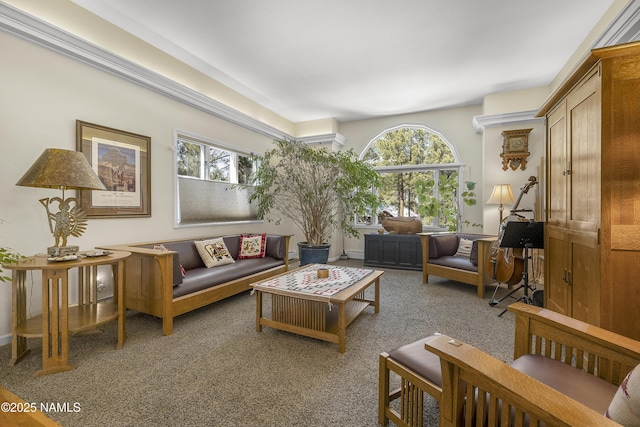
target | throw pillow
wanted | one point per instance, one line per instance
(625, 406)
(214, 252)
(252, 246)
(464, 247)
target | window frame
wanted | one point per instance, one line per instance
(206, 143)
(457, 164)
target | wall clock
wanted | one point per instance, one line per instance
(515, 149)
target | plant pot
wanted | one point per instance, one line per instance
(312, 254)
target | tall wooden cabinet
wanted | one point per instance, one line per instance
(592, 231)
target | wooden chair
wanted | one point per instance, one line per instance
(502, 394)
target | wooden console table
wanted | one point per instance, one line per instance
(58, 320)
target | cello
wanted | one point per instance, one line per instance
(507, 264)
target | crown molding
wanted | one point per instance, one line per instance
(335, 140)
(30, 28)
(624, 29)
(481, 122)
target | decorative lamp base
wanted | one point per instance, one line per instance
(62, 250)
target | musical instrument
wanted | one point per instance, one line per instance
(507, 264)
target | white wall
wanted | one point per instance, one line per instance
(42, 93)
(494, 174)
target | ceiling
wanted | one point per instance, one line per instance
(355, 59)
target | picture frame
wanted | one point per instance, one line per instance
(122, 160)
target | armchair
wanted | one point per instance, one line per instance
(565, 373)
(439, 258)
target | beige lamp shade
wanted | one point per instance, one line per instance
(501, 195)
(64, 169)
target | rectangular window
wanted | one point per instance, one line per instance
(404, 189)
(205, 171)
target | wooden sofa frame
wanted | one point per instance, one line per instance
(479, 278)
(469, 372)
(149, 283)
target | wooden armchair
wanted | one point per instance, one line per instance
(438, 258)
(558, 363)
(507, 396)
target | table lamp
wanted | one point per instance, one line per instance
(501, 195)
(66, 170)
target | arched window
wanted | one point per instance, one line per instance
(420, 174)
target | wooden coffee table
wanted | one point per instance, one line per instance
(316, 316)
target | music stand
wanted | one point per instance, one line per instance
(526, 235)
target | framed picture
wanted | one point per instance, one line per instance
(122, 160)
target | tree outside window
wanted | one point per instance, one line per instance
(417, 165)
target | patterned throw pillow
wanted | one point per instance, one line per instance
(214, 252)
(252, 246)
(464, 247)
(625, 406)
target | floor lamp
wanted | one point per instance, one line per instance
(501, 195)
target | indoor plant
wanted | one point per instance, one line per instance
(320, 191)
(447, 208)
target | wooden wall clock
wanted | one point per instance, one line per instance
(515, 149)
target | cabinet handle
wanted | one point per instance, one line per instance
(569, 279)
(564, 276)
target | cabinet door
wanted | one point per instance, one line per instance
(583, 121)
(557, 166)
(557, 292)
(583, 263)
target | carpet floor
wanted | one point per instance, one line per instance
(216, 370)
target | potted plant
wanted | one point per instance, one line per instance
(320, 191)
(448, 208)
(7, 256)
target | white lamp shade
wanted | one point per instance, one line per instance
(501, 195)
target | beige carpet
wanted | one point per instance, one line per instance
(216, 370)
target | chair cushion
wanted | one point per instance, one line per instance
(579, 385)
(444, 245)
(417, 359)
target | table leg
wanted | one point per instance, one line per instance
(258, 310)
(118, 275)
(19, 316)
(55, 322)
(342, 327)
(376, 303)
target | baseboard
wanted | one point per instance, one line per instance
(5, 339)
(355, 254)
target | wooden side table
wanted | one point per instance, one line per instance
(58, 320)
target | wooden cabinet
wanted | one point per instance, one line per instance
(393, 251)
(592, 234)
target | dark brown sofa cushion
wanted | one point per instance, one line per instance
(579, 385)
(443, 245)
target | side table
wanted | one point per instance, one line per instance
(58, 320)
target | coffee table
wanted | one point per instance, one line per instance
(319, 308)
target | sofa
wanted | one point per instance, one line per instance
(168, 278)
(444, 256)
(565, 373)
